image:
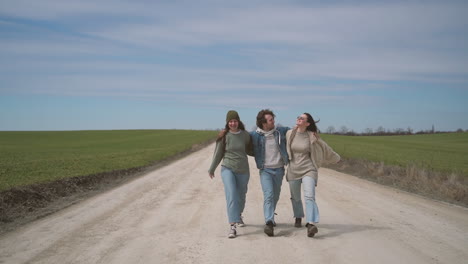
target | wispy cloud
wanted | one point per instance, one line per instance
(196, 53)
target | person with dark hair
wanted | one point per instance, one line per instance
(232, 145)
(307, 153)
(269, 149)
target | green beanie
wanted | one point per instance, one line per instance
(232, 115)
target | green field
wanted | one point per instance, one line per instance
(441, 152)
(34, 157)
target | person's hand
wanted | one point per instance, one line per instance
(211, 175)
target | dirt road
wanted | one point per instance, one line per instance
(177, 214)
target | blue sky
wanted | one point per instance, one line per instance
(78, 65)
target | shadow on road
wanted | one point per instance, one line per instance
(325, 230)
(334, 230)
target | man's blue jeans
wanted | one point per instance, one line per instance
(235, 188)
(312, 212)
(271, 180)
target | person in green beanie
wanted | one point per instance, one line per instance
(232, 146)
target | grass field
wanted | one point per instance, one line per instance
(441, 152)
(32, 157)
(35, 157)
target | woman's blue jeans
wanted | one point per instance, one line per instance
(271, 180)
(308, 185)
(235, 188)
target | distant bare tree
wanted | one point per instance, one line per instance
(380, 130)
(343, 130)
(330, 130)
(368, 131)
(399, 131)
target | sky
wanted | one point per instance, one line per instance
(140, 64)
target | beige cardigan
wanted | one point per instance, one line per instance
(320, 152)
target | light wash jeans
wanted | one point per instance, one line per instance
(308, 185)
(271, 180)
(235, 188)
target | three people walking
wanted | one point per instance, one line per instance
(273, 148)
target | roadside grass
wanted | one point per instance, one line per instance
(434, 165)
(32, 157)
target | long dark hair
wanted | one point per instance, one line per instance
(223, 132)
(312, 127)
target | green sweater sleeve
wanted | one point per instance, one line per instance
(233, 152)
(217, 156)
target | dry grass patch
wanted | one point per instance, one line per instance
(445, 186)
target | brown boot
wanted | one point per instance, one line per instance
(298, 222)
(311, 230)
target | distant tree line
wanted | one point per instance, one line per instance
(381, 131)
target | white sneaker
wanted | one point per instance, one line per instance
(232, 232)
(241, 222)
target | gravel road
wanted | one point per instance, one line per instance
(176, 214)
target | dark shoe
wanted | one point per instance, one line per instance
(298, 222)
(269, 229)
(311, 230)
